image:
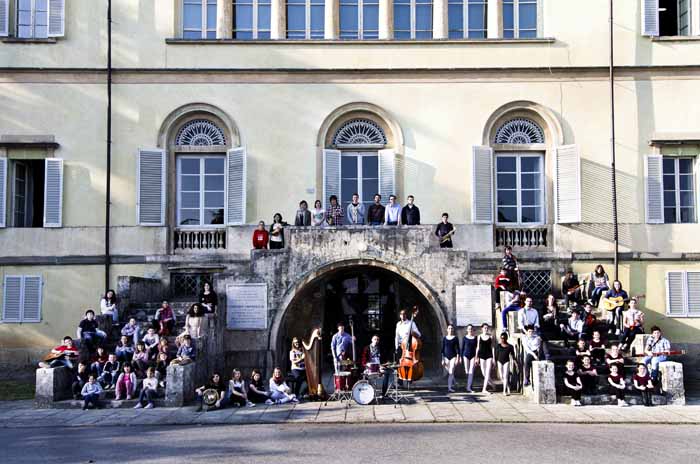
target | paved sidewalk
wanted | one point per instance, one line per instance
(437, 408)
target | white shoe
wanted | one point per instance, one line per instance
(250, 405)
(469, 390)
(149, 406)
(138, 405)
(269, 402)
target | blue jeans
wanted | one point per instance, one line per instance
(89, 337)
(92, 398)
(597, 293)
(504, 314)
(654, 361)
(62, 362)
(375, 223)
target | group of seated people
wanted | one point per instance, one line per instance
(355, 214)
(582, 373)
(237, 392)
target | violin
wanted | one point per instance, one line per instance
(410, 364)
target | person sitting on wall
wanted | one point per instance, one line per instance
(375, 212)
(444, 231)
(392, 212)
(501, 283)
(516, 304)
(656, 351)
(303, 216)
(571, 289)
(632, 323)
(88, 333)
(410, 214)
(260, 237)
(165, 317)
(356, 211)
(62, 355)
(510, 263)
(187, 352)
(217, 384)
(334, 212)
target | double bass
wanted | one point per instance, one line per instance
(410, 364)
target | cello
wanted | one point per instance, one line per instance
(410, 364)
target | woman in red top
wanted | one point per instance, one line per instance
(260, 237)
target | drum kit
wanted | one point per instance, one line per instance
(365, 387)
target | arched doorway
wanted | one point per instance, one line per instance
(372, 295)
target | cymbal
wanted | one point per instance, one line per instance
(347, 362)
(390, 365)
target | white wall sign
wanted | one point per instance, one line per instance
(474, 304)
(246, 306)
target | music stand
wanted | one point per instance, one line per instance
(393, 393)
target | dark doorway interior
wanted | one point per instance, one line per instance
(372, 297)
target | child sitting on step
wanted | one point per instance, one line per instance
(643, 383)
(617, 384)
(124, 350)
(581, 351)
(149, 390)
(572, 383)
(140, 360)
(98, 361)
(152, 341)
(597, 349)
(615, 358)
(589, 376)
(110, 372)
(126, 383)
(162, 368)
(91, 393)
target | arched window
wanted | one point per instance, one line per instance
(359, 19)
(359, 132)
(520, 131)
(467, 19)
(200, 132)
(413, 19)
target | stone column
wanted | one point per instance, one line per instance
(494, 22)
(543, 388)
(224, 20)
(672, 382)
(278, 19)
(52, 385)
(332, 20)
(386, 19)
(440, 24)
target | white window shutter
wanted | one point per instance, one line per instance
(57, 18)
(331, 175)
(31, 299)
(12, 299)
(482, 185)
(387, 174)
(4, 18)
(567, 185)
(3, 191)
(236, 186)
(693, 281)
(150, 191)
(654, 191)
(650, 18)
(53, 192)
(675, 293)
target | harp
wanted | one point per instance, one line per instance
(312, 358)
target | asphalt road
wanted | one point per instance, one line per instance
(341, 444)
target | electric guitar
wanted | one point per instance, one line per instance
(663, 353)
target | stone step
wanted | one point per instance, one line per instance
(602, 400)
(106, 404)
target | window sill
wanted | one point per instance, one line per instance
(17, 40)
(176, 41)
(677, 38)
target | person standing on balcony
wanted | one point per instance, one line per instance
(410, 214)
(375, 213)
(356, 211)
(260, 237)
(510, 264)
(444, 231)
(303, 217)
(277, 232)
(392, 212)
(318, 214)
(334, 213)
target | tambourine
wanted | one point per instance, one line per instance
(210, 396)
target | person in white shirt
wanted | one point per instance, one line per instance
(532, 344)
(528, 316)
(149, 390)
(574, 326)
(392, 212)
(403, 328)
(280, 393)
(108, 306)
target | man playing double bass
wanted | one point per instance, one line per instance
(404, 327)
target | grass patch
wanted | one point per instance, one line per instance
(13, 390)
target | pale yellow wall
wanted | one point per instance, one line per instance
(68, 291)
(140, 28)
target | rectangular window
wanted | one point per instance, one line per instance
(32, 19)
(27, 192)
(467, 19)
(679, 190)
(359, 19)
(413, 19)
(359, 173)
(251, 19)
(201, 190)
(199, 19)
(520, 19)
(22, 299)
(683, 293)
(305, 19)
(672, 16)
(520, 188)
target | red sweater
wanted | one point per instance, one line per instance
(501, 282)
(260, 239)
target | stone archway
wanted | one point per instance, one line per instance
(315, 300)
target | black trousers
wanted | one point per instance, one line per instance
(575, 394)
(589, 384)
(618, 392)
(299, 378)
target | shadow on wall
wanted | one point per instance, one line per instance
(596, 194)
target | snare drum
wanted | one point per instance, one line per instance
(373, 368)
(363, 392)
(342, 381)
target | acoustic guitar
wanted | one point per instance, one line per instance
(612, 303)
(54, 356)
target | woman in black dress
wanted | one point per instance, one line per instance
(505, 353)
(208, 299)
(450, 355)
(484, 355)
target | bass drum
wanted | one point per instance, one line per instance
(363, 392)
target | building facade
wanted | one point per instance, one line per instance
(226, 112)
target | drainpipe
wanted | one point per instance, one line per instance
(612, 144)
(108, 183)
